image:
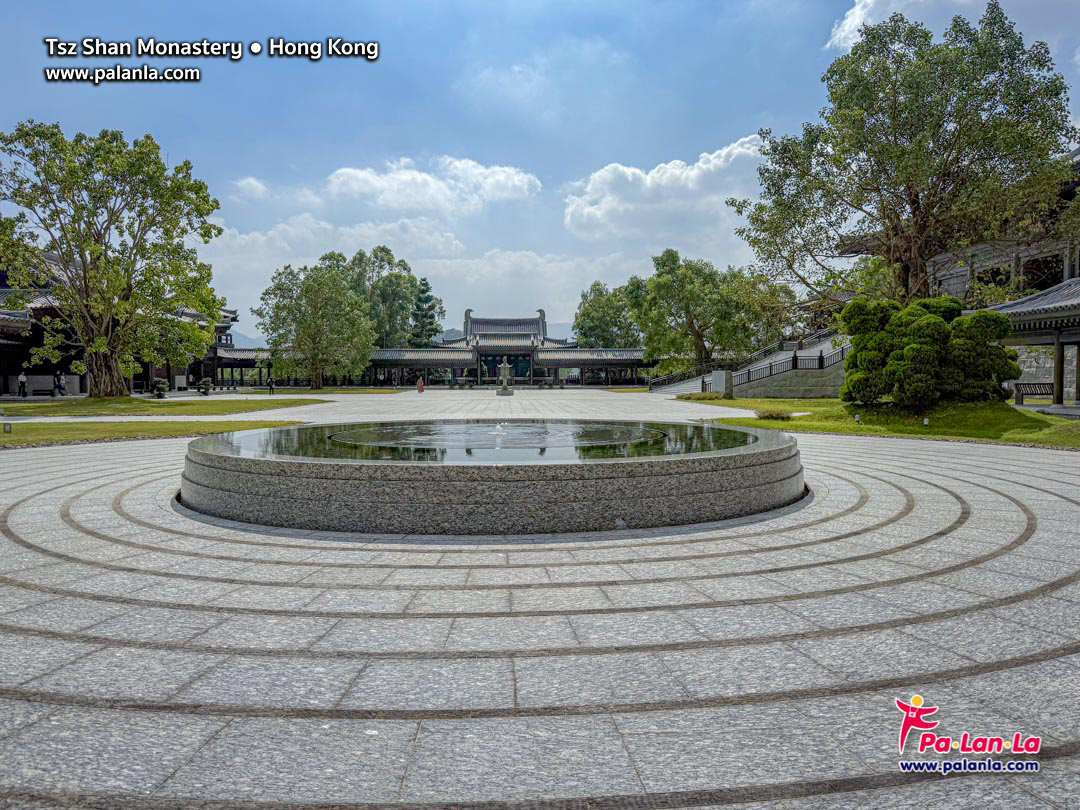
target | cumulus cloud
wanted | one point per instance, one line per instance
(451, 186)
(412, 237)
(671, 198)
(251, 188)
(244, 261)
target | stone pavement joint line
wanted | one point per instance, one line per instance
(152, 658)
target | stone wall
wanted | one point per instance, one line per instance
(1037, 365)
(796, 384)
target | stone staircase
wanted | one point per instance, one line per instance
(690, 386)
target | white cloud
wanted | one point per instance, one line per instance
(1076, 58)
(845, 31)
(244, 261)
(670, 199)
(452, 186)
(409, 237)
(252, 188)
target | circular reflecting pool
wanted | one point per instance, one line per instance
(481, 441)
(490, 476)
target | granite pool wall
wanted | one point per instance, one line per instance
(520, 498)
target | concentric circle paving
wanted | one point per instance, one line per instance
(151, 657)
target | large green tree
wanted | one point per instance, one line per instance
(388, 287)
(368, 268)
(390, 303)
(315, 322)
(108, 228)
(604, 319)
(428, 312)
(923, 147)
(689, 309)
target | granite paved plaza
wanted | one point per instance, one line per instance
(154, 658)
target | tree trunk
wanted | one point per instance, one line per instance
(104, 378)
(700, 349)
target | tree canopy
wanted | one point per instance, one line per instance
(924, 147)
(688, 308)
(315, 322)
(390, 291)
(427, 314)
(107, 227)
(604, 319)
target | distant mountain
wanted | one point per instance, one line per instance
(451, 334)
(242, 341)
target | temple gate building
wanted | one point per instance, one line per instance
(536, 357)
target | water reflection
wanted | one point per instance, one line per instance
(481, 441)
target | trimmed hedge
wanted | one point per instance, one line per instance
(924, 353)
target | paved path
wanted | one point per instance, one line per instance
(478, 404)
(150, 658)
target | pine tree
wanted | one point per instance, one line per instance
(427, 312)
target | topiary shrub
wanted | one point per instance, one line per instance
(924, 353)
(204, 386)
(159, 388)
(773, 413)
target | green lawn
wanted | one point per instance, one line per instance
(282, 391)
(30, 434)
(133, 406)
(984, 422)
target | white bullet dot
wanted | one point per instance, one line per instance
(256, 47)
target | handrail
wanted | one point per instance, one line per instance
(793, 344)
(795, 361)
(781, 345)
(688, 374)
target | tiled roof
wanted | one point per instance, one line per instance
(28, 299)
(6, 342)
(14, 320)
(511, 339)
(1058, 299)
(242, 354)
(588, 355)
(435, 354)
(531, 326)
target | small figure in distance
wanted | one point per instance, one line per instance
(271, 382)
(419, 385)
(22, 384)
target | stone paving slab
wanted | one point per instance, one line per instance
(151, 658)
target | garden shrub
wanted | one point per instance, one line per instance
(773, 413)
(924, 353)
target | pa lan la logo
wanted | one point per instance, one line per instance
(917, 716)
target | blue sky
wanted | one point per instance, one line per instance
(512, 152)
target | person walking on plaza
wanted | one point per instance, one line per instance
(419, 385)
(270, 381)
(57, 384)
(22, 384)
